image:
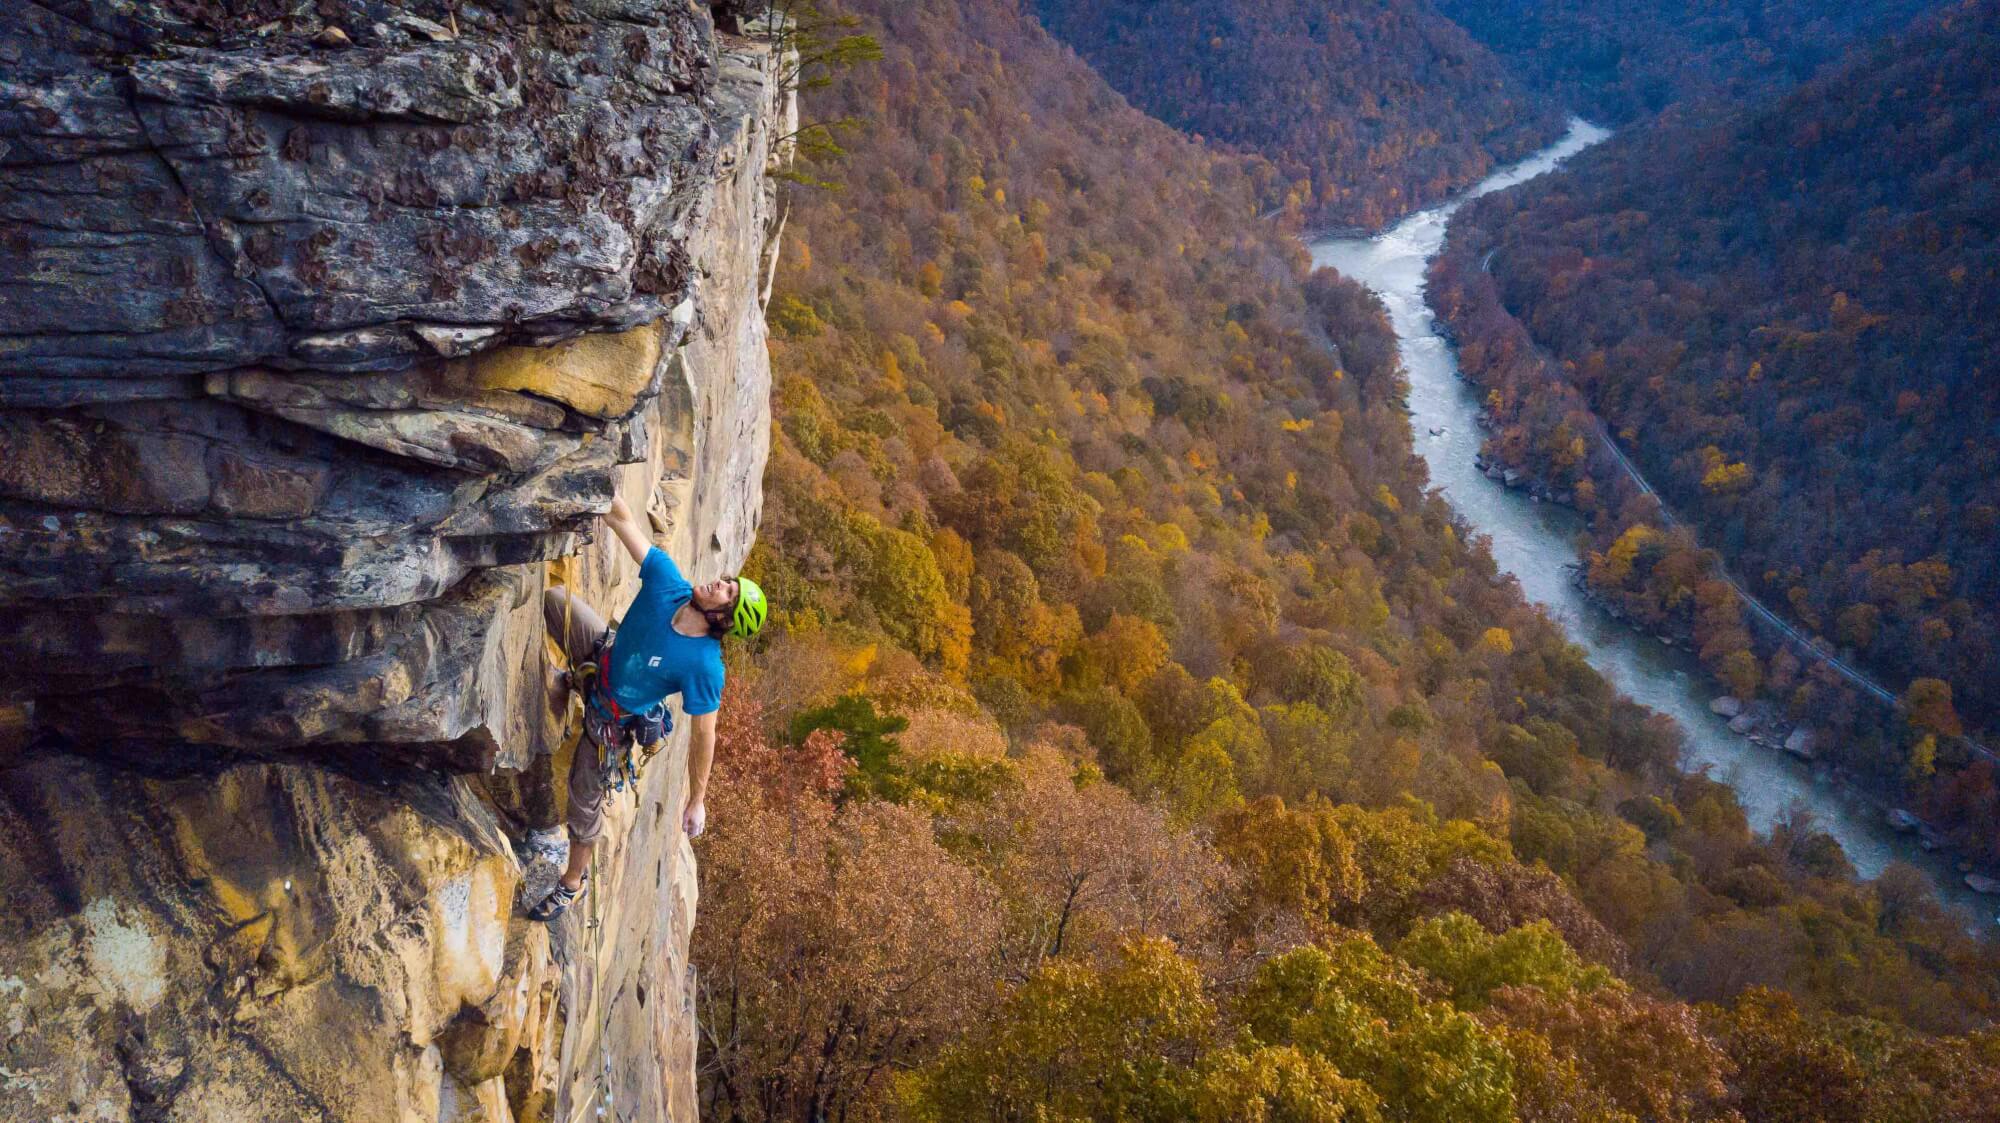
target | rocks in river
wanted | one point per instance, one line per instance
(1726, 706)
(1511, 478)
(1742, 723)
(1904, 821)
(1980, 883)
(1800, 743)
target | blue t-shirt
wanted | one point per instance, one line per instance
(650, 660)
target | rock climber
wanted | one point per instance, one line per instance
(670, 642)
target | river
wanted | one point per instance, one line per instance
(1534, 541)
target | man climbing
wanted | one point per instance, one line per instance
(670, 642)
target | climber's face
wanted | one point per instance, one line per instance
(719, 593)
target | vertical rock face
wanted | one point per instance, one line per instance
(324, 331)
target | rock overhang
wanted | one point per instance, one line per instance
(310, 352)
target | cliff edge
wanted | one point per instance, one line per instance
(324, 332)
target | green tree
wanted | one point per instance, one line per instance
(1307, 752)
(1354, 1005)
(910, 597)
(1117, 730)
(815, 46)
(1279, 1084)
(1473, 962)
(1325, 678)
(1077, 1042)
(867, 736)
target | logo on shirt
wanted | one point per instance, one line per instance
(653, 662)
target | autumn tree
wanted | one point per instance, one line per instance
(1081, 1042)
(1082, 866)
(1357, 1007)
(1297, 860)
(1649, 1058)
(864, 943)
(1927, 703)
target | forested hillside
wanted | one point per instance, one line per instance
(1617, 60)
(1791, 319)
(1369, 109)
(1138, 740)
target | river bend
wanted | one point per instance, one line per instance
(1534, 542)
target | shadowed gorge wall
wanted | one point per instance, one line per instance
(321, 338)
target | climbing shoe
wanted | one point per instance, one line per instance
(558, 901)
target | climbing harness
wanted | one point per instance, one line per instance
(625, 741)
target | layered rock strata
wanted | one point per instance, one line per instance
(324, 332)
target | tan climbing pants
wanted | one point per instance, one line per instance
(587, 782)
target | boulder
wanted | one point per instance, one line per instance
(1801, 743)
(1980, 883)
(1742, 723)
(1726, 706)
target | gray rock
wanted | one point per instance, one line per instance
(1903, 821)
(280, 205)
(1742, 723)
(1726, 706)
(1800, 743)
(1980, 883)
(311, 358)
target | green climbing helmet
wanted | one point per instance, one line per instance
(751, 609)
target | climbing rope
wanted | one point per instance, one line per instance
(621, 767)
(575, 731)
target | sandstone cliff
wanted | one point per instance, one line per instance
(324, 329)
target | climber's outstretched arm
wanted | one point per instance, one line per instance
(626, 526)
(701, 754)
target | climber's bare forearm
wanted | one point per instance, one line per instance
(701, 755)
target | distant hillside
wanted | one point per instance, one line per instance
(1369, 108)
(1616, 60)
(1138, 737)
(1793, 320)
